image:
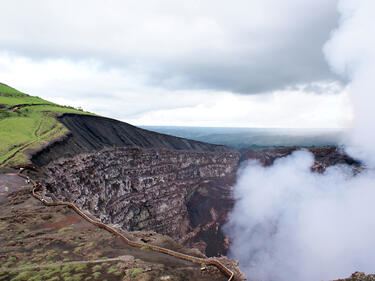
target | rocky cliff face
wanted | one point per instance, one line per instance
(184, 194)
(359, 276)
(324, 156)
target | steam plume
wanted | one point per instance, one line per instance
(351, 52)
(291, 224)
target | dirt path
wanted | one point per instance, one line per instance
(36, 132)
(29, 104)
(17, 151)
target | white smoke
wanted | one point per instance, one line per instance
(351, 52)
(291, 224)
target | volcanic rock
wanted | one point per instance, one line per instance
(324, 156)
(183, 194)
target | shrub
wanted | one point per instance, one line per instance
(133, 272)
(65, 229)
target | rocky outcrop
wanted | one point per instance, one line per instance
(324, 156)
(359, 276)
(88, 133)
(183, 194)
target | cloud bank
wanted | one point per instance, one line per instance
(244, 47)
(163, 62)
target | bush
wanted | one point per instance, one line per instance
(65, 229)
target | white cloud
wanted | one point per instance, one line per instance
(285, 109)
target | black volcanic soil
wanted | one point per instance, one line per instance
(93, 133)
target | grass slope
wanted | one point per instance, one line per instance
(27, 123)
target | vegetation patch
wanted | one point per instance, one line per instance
(96, 274)
(96, 268)
(133, 272)
(65, 229)
(26, 124)
(77, 249)
(67, 272)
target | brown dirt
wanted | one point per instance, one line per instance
(32, 234)
(67, 221)
(9, 182)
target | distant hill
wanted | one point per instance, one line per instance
(245, 138)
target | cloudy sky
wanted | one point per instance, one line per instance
(244, 63)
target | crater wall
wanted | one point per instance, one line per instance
(184, 194)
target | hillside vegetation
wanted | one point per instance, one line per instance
(26, 124)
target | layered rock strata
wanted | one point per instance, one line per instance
(324, 156)
(183, 194)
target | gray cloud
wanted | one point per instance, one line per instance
(244, 46)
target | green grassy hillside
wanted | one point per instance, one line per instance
(26, 124)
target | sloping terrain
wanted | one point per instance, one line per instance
(54, 243)
(93, 133)
(26, 124)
